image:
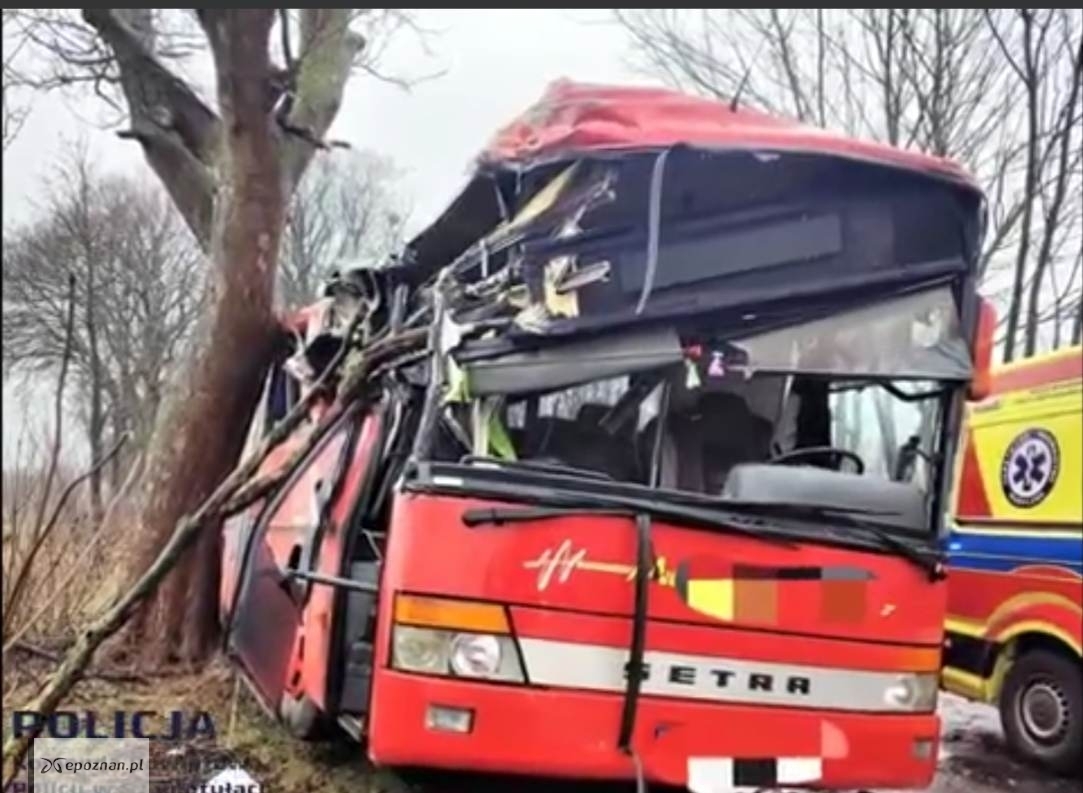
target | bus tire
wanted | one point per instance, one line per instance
(1041, 710)
(301, 717)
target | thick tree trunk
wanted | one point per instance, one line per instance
(96, 438)
(208, 406)
(230, 177)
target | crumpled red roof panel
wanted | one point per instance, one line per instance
(580, 117)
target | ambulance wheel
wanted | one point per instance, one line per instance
(1041, 710)
(301, 717)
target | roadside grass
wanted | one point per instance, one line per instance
(243, 734)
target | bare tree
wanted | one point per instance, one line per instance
(230, 166)
(915, 78)
(16, 108)
(1059, 217)
(345, 211)
(138, 280)
(996, 90)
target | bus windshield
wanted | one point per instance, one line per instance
(864, 391)
(610, 427)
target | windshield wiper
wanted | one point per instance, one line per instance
(498, 516)
(932, 566)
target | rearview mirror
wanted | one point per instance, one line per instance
(981, 384)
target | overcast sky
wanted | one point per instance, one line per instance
(494, 64)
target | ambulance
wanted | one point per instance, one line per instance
(1015, 592)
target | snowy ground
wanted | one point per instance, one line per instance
(974, 759)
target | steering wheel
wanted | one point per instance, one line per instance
(837, 455)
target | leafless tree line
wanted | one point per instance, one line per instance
(997, 90)
(137, 285)
(345, 212)
(139, 278)
(15, 105)
(230, 135)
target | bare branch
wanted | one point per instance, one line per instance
(39, 531)
(234, 493)
(43, 531)
(180, 135)
(78, 566)
(327, 53)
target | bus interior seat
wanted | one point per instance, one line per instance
(701, 445)
(581, 443)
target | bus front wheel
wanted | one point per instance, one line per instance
(301, 717)
(1041, 710)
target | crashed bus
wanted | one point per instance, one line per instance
(647, 477)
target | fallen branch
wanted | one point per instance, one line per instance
(101, 674)
(235, 493)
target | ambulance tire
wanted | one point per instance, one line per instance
(302, 717)
(1041, 710)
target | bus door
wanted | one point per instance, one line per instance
(279, 625)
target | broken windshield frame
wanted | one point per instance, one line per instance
(610, 429)
(929, 563)
(588, 398)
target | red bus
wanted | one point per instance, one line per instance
(647, 476)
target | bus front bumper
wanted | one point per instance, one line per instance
(431, 722)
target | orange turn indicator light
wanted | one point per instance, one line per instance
(464, 615)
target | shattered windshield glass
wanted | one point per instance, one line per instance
(610, 427)
(662, 408)
(917, 336)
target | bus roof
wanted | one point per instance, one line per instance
(1054, 367)
(576, 118)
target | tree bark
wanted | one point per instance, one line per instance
(230, 175)
(241, 488)
(179, 134)
(209, 404)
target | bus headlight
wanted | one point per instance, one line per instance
(913, 692)
(460, 638)
(419, 650)
(432, 651)
(475, 654)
